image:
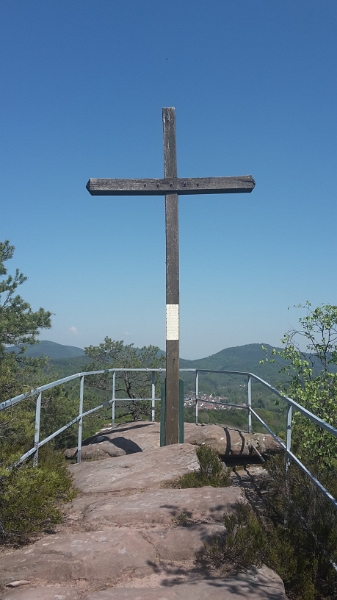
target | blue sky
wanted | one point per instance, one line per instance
(254, 85)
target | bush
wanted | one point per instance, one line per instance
(296, 535)
(30, 497)
(212, 471)
(312, 383)
(242, 545)
(305, 523)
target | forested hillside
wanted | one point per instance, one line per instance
(67, 360)
(238, 358)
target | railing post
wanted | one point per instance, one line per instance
(288, 434)
(249, 403)
(288, 448)
(113, 408)
(37, 430)
(153, 396)
(80, 422)
(196, 397)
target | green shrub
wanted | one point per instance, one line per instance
(296, 535)
(305, 523)
(30, 497)
(243, 543)
(212, 471)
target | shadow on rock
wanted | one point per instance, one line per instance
(128, 446)
(258, 583)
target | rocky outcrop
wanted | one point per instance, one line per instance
(128, 535)
(140, 436)
(231, 442)
(255, 584)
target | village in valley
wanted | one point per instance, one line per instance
(210, 402)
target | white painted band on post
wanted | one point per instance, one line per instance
(172, 321)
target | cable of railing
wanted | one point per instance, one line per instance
(72, 422)
(313, 479)
(269, 430)
(41, 388)
(307, 413)
(301, 409)
(48, 386)
(56, 433)
(298, 462)
(304, 411)
(244, 373)
(224, 404)
(122, 370)
(25, 456)
(290, 403)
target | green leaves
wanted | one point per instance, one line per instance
(28, 496)
(19, 325)
(114, 354)
(212, 472)
(292, 529)
(311, 356)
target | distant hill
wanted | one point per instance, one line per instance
(51, 349)
(71, 359)
(239, 358)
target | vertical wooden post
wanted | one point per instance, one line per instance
(172, 282)
(171, 186)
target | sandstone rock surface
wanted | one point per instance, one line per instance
(127, 537)
(141, 471)
(140, 436)
(256, 584)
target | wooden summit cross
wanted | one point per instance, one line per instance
(171, 186)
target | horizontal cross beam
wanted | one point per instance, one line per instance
(159, 187)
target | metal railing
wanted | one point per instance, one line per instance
(290, 406)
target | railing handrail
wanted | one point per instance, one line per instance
(291, 404)
(304, 411)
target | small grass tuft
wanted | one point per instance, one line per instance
(181, 519)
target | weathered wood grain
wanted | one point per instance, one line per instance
(168, 185)
(171, 187)
(172, 274)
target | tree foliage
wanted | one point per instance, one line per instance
(311, 355)
(28, 493)
(115, 354)
(30, 497)
(19, 326)
(290, 526)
